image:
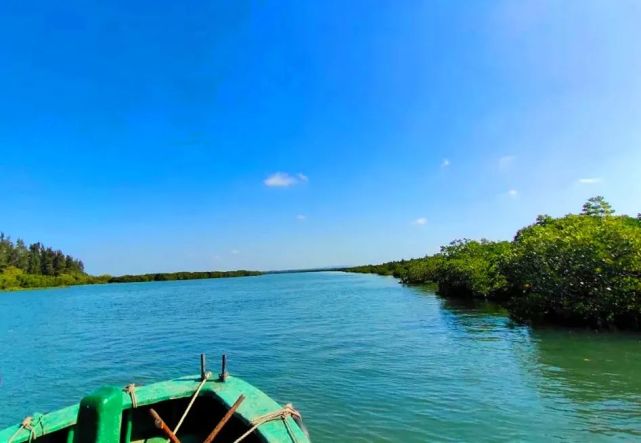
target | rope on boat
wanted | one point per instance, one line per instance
(284, 413)
(191, 402)
(28, 425)
(131, 390)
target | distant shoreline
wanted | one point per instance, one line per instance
(35, 266)
(66, 280)
(17, 280)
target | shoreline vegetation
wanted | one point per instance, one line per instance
(13, 279)
(168, 276)
(578, 270)
(38, 266)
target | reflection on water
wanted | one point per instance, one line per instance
(363, 357)
(595, 376)
(599, 374)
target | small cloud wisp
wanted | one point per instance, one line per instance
(284, 180)
(589, 180)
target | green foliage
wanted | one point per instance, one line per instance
(38, 266)
(597, 207)
(181, 276)
(36, 259)
(582, 270)
(464, 267)
(9, 277)
(578, 270)
(396, 268)
(15, 278)
(472, 268)
(423, 271)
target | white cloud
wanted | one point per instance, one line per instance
(513, 193)
(301, 217)
(235, 251)
(506, 162)
(280, 179)
(445, 163)
(420, 221)
(590, 180)
(284, 180)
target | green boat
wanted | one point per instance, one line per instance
(203, 408)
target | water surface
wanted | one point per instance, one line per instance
(362, 357)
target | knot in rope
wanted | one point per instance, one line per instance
(28, 425)
(131, 390)
(283, 413)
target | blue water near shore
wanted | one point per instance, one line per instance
(361, 356)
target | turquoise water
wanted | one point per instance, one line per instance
(362, 357)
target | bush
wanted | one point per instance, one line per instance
(422, 271)
(472, 268)
(577, 270)
(15, 278)
(9, 278)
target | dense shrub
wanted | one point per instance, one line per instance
(15, 278)
(472, 268)
(422, 270)
(577, 270)
(464, 267)
(166, 276)
(398, 269)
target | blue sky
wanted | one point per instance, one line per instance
(148, 136)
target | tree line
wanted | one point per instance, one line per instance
(36, 259)
(577, 270)
(38, 266)
(167, 276)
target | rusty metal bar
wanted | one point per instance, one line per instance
(203, 366)
(160, 424)
(210, 438)
(223, 371)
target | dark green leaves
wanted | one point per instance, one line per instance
(581, 270)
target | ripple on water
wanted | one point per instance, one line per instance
(364, 358)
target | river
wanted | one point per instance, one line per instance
(361, 356)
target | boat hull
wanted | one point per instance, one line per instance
(111, 415)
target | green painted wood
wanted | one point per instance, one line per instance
(51, 422)
(71, 432)
(257, 403)
(100, 416)
(128, 427)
